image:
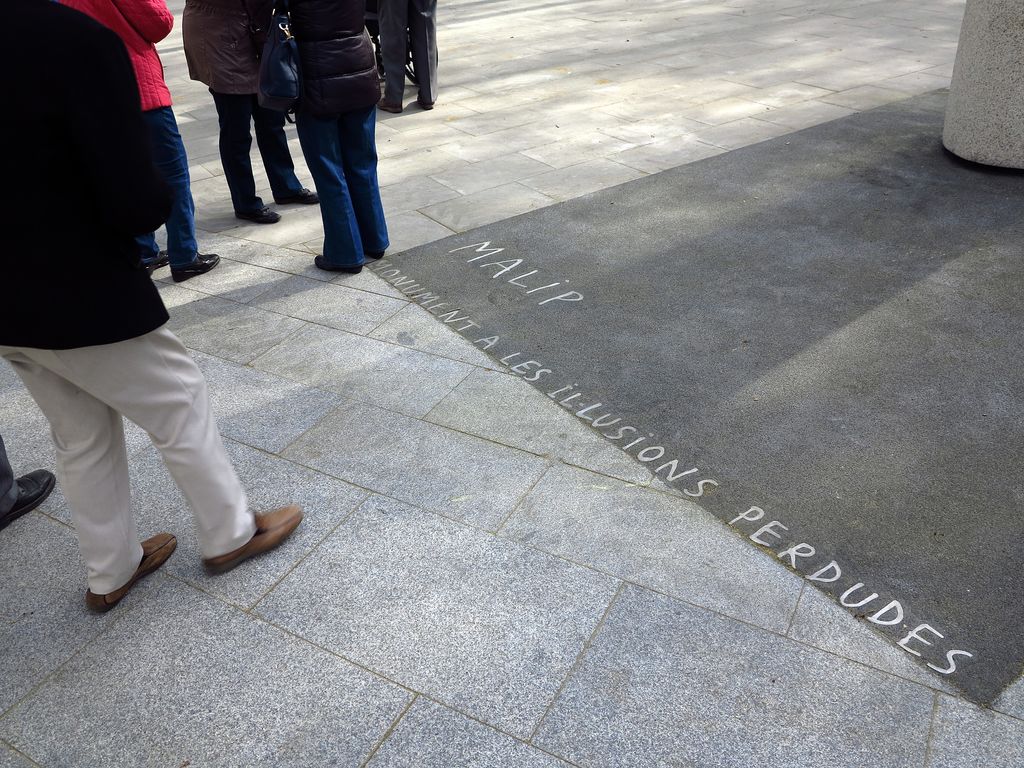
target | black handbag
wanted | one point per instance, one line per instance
(280, 79)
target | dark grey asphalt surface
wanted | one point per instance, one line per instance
(830, 325)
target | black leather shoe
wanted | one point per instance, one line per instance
(202, 264)
(33, 489)
(373, 255)
(263, 216)
(303, 196)
(162, 260)
(322, 264)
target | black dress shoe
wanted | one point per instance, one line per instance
(161, 260)
(263, 216)
(425, 104)
(303, 196)
(33, 489)
(321, 262)
(203, 263)
(373, 255)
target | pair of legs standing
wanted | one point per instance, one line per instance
(413, 20)
(152, 381)
(341, 153)
(236, 114)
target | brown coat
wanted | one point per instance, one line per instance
(223, 41)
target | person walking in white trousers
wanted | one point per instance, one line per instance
(82, 322)
(152, 381)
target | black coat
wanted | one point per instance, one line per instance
(339, 71)
(82, 185)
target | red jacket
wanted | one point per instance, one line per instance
(140, 24)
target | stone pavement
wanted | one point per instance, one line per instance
(480, 580)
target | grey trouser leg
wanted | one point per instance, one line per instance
(423, 33)
(396, 16)
(8, 488)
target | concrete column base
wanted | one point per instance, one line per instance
(985, 115)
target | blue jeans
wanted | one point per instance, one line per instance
(236, 113)
(172, 162)
(341, 153)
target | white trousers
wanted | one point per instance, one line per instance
(152, 381)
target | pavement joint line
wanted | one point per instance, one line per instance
(121, 616)
(310, 551)
(524, 495)
(19, 753)
(520, 739)
(796, 608)
(578, 662)
(596, 569)
(931, 731)
(389, 731)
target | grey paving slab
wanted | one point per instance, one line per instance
(10, 759)
(433, 736)
(657, 540)
(967, 736)
(230, 330)
(819, 621)
(502, 408)
(336, 306)
(43, 618)
(576, 180)
(424, 464)
(668, 684)
(296, 224)
(1012, 700)
(865, 97)
(233, 280)
(492, 173)
(365, 369)
(272, 257)
(484, 207)
(259, 409)
(796, 116)
(740, 133)
(802, 321)
(416, 328)
(187, 680)
(667, 153)
(414, 193)
(269, 482)
(582, 144)
(484, 625)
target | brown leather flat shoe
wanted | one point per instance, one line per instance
(155, 551)
(272, 529)
(390, 106)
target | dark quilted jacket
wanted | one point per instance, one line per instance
(339, 72)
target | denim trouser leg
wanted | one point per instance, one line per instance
(359, 155)
(342, 156)
(172, 162)
(234, 113)
(8, 488)
(273, 144)
(321, 146)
